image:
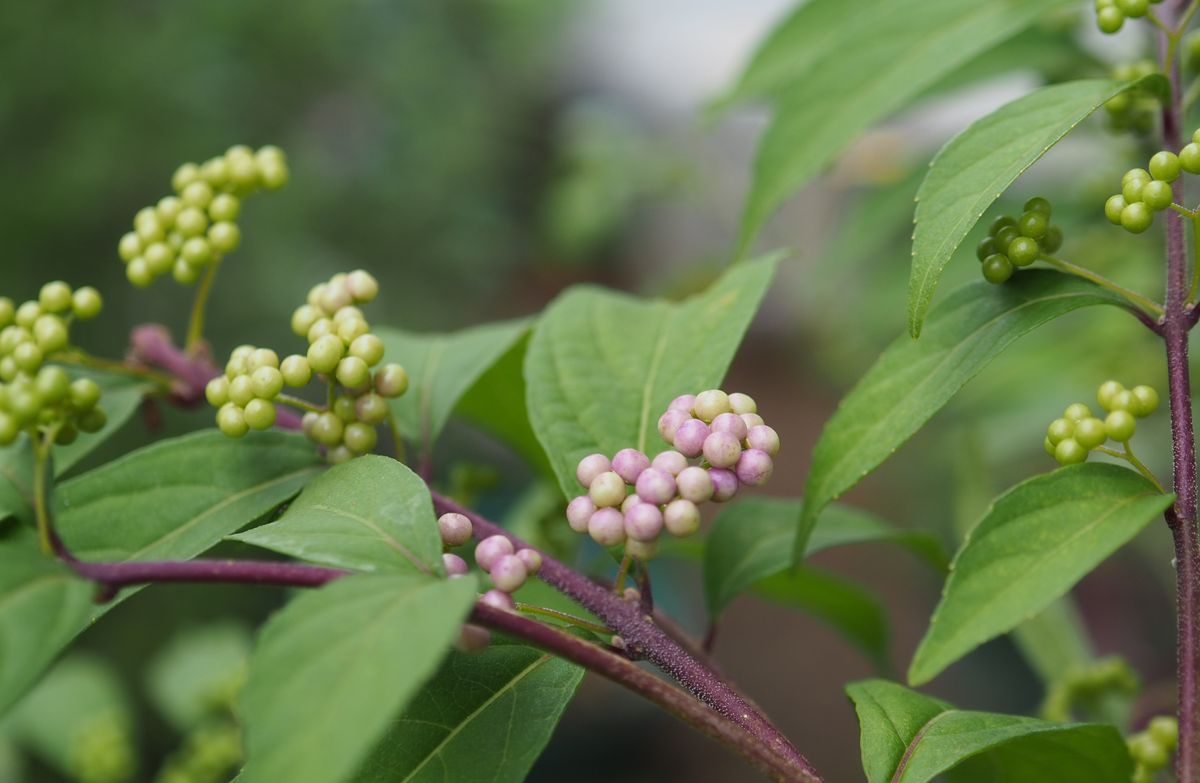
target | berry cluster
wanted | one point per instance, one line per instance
(1134, 109)
(193, 229)
(1085, 684)
(342, 352)
(1145, 192)
(1070, 438)
(725, 436)
(32, 393)
(1018, 242)
(1153, 747)
(1111, 14)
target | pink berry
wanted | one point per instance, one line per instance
(607, 489)
(498, 599)
(683, 402)
(455, 529)
(722, 450)
(491, 549)
(695, 484)
(579, 511)
(454, 565)
(689, 438)
(509, 573)
(607, 527)
(731, 423)
(532, 560)
(591, 466)
(630, 502)
(655, 486)
(725, 484)
(670, 461)
(629, 464)
(681, 518)
(754, 467)
(643, 522)
(763, 438)
(668, 423)
(751, 420)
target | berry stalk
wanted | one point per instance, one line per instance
(642, 636)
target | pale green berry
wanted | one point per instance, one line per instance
(232, 420)
(261, 357)
(367, 347)
(191, 222)
(327, 429)
(1165, 166)
(607, 490)
(159, 258)
(321, 327)
(9, 429)
(86, 304)
(1136, 218)
(267, 383)
(7, 311)
(371, 408)
(711, 404)
(360, 437)
(243, 174)
(27, 313)
(303, 319)
(1144, 401)
(238, 358)
(1059, 430)
(1189, 158)
(93, 420)
(1113, 208)
(196, 251)
(1157, 195)
(347, 313)
(50, 333)
(184, 273)
(272, 168)
(1090, 432)
(241, 390)
(1107, 391)
(198, 194)
(350, 329)
(28, 357)
(184, 176)
(391, 380)
(1048, 446)
(339, 455)
(217, 391)
(1123, 401)
(1135, 174)
(1077, 412)
(1120, 425)
(334, 294)
(224, 236)
(295, 371)
(1132, 190)
(55, 297)
(345, 409)
(215, 172)
(1165, 730)
(151, 231)
(353, 373)
(85, 394)
(325, 353)
(1070, 452)
(167, 209)
(224, 207)
(52, 384)
(260, 413)
(130, 247)
(1109, 19)
(363, 287)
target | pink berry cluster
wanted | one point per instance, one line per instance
(720, 443)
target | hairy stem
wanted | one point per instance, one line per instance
(646, 639)
(1181, 518)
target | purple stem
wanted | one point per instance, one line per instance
(151, 345)
(1177, 321)
(644, 637)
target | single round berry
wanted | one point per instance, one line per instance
(629, 464)
(27, 314)
(655, 486)
(353, 373)
(1059, 430)
(224, 236)
(1146, 750)
(371, 408)
(1136, 218)
(241, 390)
(694, 484)
(363, 287)
(224, 207)
(367, 347)
(1107, 392)
(303, 319)
(1048, 446)
(710, 404)
(731, 423)
(1077, 411)
(1120, 425)
(509, 573)
(50, 333)
(232, 421)
(754, 467)
(689, 438)
(1053, 239)
(1109, 19)
(489, 551)
(1123, 401)
(391, 380)
(217, 391)
(1023, 251)
(130, 247)
(1114, 207)
(93, 421)
(1070, 452)
(1165, 166)
(752, 420)
(55, 297)
(579, 511)
(1032, 225)
(607, 527)
(455, 566)
(295, 371)
(86, 303)
(28, 357)
(607, 489)
(671, 461)
(742, 403)
(997, 269)
(532, 560)
(986, 247)
(325, 353)
(1165, 730)
(1144, 402)
(345, 409)
(260, 414)
(7, 311)
(684, 402)
(498, 599)
(591, 466)
(360, 438)
(999, 224)
(1038, 204)
(725, 484)
(669, 423)
(327, 429)
(681, 518)
(1090, 432)
(722, 450)
(85, 394)
(1005, 237)
(455, 529)
(629, 502)
(267, 383)
(197, 194)
(1189, 158)
(1157, 195)
(261, 357)
(53, 385)
(351, 329)
(1134, 9)
(643, 522)
(9, 429)
(1132, 190)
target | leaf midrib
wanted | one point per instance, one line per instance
(378, 531)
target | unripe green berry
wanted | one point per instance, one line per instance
(359, 437)
(196, 251)
(1136, 218)
(184, 176)
(710, 404)
(138, 272)
(85, 394)
(93, 420)
(339, 455)
(243, 174)
(1053, 239)
(391, 380)
(198, 194)
(1070, 452)
(191, 222)
(1189, 158)
(8, 311)
(86, 304)
(231, 420)
(55, 297)
(321, 327)
(1033, 225)
(27, 313)
(371, 408)
(325, 353)
(997, 269)
(66, 435)
(1109, 20)
(1123, 401)
(367, 347)
(303, 319)
(28, 357)
(986, 247)
(327, 429)
(1120, 425)
(1113, 208)
(607, 490)
(999, 224)
(344, 409)
(1164, 729)
(52, 384)
(1005, 237)
(130, 247)
(272, 167)
(1146, 750)
(261, 357)
(1090, 433)
(1059, 430)
(50, 333)
(1135, 174)
(1048, 446)
(1023, 251)
(1144, 401)
(260, 413)
(159, 258)
(295, 371)
(1077, 411)
(1134, 9)
(224, 207)
(9, 429)
(215, 172)
(241, 390)
(1157, 195)
(362, 286)
(217, 391)
(353, 373)
(1038, 204)
(224, 236)
(267, 383)
(1107, 391)
(350, 329)
(1165, 166)
(1132, 190)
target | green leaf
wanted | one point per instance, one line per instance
(975, 167)
(910, 738)
(369, 514)
(912, 380)
(484, 718)
(900, 48)
(1037, 540)
(197, 671)
(337, 664)
(603, 366)
(754, 538)
(179, 497)
(441, 369)
(42, 607)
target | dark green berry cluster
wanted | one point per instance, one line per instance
(1070, 438)
(190, 231)
(1111, 14)
(1153, 747)
(34, 394)
(1145, 192)
(1012, 243)
(1134, 109)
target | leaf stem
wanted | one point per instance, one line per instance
(1128, 456)
(81, 358)
(570, 619)
(195, 332)
(299, 404)
(42, 443)
(1132, 296)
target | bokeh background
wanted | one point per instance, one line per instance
(480, 157)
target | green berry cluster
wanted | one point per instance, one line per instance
(210, 754)
(102, 752)
(193, 229)
(342, 351)
(33, 393)
(1145, 192)
(1077, 432)
(1111, 14)
(1017, 242)
(1153, 747)
(1134, 109)
(1084, 685)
